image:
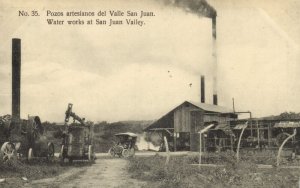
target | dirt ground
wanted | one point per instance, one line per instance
(104, 173)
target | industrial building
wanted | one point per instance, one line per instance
(182, 124)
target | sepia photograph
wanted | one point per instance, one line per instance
(149, 93)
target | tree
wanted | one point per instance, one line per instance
(289, 115)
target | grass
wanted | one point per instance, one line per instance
(37, 170)
(179, 173)
(14, 170)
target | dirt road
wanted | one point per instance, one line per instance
(106, 173)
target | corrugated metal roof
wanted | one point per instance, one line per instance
(240, 126)
(167, 121)
(287, 124)
(211, 107)
(222, 126)
(126, 134)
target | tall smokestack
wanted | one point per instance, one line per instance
(202, 85)
(16, 79)
(215, 62)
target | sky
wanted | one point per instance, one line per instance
(140, 73)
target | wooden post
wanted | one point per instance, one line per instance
(251, 130)
(215, 141)
(175, 141)
(231, 143)
(238, 147)
(200, 140)
(204, 144)
(167, 150)
(200, 149)
(257, 127)
(269, 135)
(280, 148)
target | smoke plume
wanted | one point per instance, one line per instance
(199, 7)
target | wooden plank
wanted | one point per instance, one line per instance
(194, 142)
(271, 166)
(183, 119)
(176, 121)
(207, 165)
(264, 166)
(167, 150)
(290, 167)
(175, 141)
(188, 120)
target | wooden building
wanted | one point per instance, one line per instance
(182, 124)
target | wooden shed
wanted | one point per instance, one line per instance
(181, 125)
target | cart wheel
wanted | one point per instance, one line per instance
(30, 154)
(126, 153)
(111, 152)
(7, 151)
(50, 154)
(90, 153)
